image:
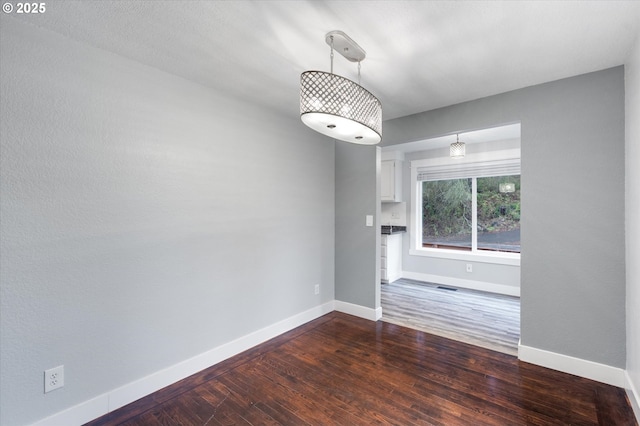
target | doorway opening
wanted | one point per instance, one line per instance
(456, 272)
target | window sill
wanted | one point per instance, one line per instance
(498, 258)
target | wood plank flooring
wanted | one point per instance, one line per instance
(488, 320)
(343, 370)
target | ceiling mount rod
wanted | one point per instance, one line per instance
(344, 45)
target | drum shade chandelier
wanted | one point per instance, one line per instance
(336, 106)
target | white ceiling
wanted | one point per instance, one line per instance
(421, 55)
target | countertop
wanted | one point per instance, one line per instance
(392, 229)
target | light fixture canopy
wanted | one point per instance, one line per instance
(336, 106)
(457, 149)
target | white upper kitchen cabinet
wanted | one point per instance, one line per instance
(391, 181)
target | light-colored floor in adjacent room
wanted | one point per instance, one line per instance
(488, 320)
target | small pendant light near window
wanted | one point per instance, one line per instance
(336, 106)
(507, 187)
(457, 149)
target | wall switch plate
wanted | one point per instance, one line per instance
(369, 220)
(53, 378)
(469, 267)
(317, 289)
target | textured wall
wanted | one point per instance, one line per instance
(145, 220)
(573, 261)
(632, 122)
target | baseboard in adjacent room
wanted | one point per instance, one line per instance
(461, 283)
(576, 366)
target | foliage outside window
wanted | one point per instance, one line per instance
(449, 214)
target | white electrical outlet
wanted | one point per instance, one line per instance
(53, 378)
(317, 289)
(469, 267)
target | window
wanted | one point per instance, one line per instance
(498, 213)
(447, 214)
(468, 208)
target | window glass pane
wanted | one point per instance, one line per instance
(446, 214)
(499, 213)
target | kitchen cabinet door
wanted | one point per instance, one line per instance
(391, 181)
(391, 258)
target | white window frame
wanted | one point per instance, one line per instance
(415, 221)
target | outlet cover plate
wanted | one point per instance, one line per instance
(53, 378)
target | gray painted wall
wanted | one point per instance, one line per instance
(573, 261)
(357, 248)
(632, 169)
(145, 220)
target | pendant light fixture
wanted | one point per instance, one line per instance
(336, 106)
(457, 149)
(506, 188)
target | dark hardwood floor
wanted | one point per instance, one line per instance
(343, 370)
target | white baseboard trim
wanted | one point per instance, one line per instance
(576, 366)
(78, 414)
(358, 310)
(458, 282)
(633, 394)
(112, 400)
